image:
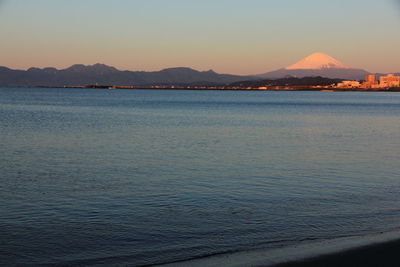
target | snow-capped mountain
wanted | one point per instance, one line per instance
(318, 61)
(317, 64)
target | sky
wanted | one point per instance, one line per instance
(228, 36)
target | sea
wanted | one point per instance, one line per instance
(95, 177)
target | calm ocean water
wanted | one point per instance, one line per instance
(91, 177)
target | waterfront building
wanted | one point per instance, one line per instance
(389, 80)
(370, 81)
(349, 84)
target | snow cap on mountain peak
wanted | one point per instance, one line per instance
(318, 61)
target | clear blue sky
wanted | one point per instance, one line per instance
(229, 36)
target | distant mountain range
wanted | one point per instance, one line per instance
(315, 65)
(318, 64)
(81, 75)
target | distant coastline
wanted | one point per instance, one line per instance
(317, 72)
(227, 88)
(324, 72)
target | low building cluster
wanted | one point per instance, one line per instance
(390, 81)
(371, 82)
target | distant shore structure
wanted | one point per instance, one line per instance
(371, 82)
(390, 81)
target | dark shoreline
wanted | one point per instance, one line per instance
(372, 250)
(380, 254)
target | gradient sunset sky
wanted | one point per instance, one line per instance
(228, 36)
